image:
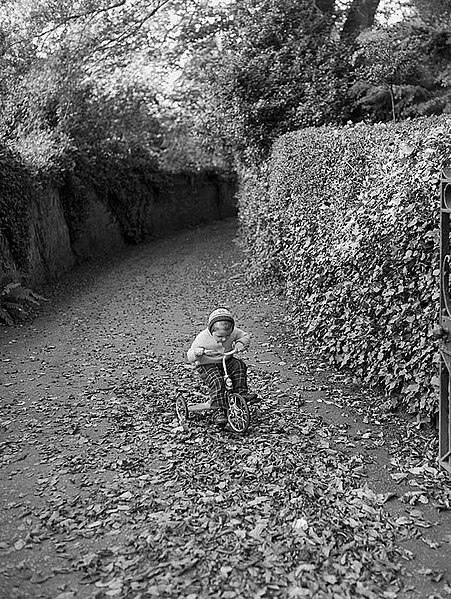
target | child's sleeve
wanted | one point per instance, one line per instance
(195, 344)
(243, 338)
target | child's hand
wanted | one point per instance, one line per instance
(238, 346)
(199, 351)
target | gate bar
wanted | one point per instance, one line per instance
(444, 456)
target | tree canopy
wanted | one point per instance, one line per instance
(196, 82)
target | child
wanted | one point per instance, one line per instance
(207, 351)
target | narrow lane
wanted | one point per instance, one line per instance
(104, 495)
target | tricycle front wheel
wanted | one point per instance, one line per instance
(238, 415)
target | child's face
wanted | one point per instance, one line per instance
(221, 334)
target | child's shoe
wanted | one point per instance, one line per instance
(220, 418)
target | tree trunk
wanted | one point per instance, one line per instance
(392, 100)
(325, 6)
(360, 16)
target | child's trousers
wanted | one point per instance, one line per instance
(213, 375)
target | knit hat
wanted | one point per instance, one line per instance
(218, 315)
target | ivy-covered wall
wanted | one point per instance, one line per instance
(46, 227)
(345, 221)
(16, 193)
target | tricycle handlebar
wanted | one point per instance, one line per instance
(229, 353)
(213, 352)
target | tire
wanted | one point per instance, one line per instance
(181, 409)
(238, 415)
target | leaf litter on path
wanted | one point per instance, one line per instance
(126, 503)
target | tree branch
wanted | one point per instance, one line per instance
(90, 13)
(136, 26)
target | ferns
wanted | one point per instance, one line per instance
(16, 301)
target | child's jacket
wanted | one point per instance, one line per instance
(206, 340)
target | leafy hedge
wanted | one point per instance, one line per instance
(346, 222)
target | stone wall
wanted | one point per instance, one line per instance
(188, 200)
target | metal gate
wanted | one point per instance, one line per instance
(445, 323)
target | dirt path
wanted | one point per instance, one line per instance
(329, 495)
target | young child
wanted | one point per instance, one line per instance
(206, 352)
